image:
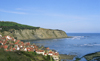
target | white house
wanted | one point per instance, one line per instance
(32, 46)
(8, 37)
(18, 48)
(40, 52)
(50, 53)
(2, 43)
(0, 35)
(21, 46)
(14, 40)
(25, 49)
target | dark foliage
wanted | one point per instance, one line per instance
(12, 56)
(22, 56)
(6, 26)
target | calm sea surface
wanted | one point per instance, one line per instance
(80, 44)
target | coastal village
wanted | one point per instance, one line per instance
(10, 44)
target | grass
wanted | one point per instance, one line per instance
(11, 26)
(22, 56)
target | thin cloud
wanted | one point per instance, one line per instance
(68, 16)
(75, 17)
(14, 12)
(20, 9)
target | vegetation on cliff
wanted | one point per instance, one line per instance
(25, 32)
(6, 26)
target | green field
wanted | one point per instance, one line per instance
(6, 26)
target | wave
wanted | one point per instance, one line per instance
(78, 37)
(91, 45)
(82, 45)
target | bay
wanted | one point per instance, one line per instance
(80, 44)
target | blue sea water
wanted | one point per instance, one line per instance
(80, 44)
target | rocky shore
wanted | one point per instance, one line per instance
(66, 57)
(10, 44)
(93, 56)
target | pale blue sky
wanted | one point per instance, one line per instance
(72, 16)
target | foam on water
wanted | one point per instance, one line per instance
(84, 45)
(79, 44)
(77, 37)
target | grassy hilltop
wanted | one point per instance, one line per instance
(6, 26)
(25, 32)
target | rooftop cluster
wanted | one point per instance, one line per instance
(10, 44)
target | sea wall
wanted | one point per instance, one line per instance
(40, 33)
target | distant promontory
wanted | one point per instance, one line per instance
(25, 32)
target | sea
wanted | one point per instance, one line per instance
(79, 44)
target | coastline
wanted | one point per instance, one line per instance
(17, 45)
(45, 39)
(61, 56)
(93, 56)
(66, 57)
(90, 56)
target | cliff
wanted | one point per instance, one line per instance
(34, 34)
(26, 32)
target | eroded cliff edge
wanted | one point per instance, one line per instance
(35, 34)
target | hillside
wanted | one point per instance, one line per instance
(25, 32)
(16, 50)
(6, 26)
(22, 56)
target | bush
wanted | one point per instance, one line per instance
(12, 56)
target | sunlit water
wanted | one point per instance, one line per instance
(80, 44)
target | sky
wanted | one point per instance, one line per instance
(71, 16)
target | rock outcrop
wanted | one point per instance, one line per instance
(93, 56)
(40, 33)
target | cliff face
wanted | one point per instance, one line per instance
(40, 33)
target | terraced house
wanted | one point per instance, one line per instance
(10, 44)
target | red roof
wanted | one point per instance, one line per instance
(6, 39)
(45, 53)
(41, 50)
(50, 52)
(21, 42)
(4, 43)
(47, 48)
(0, 41)
(5, 46)
(16, 42)
(14, 49)
(3, 38)
(55, 54)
